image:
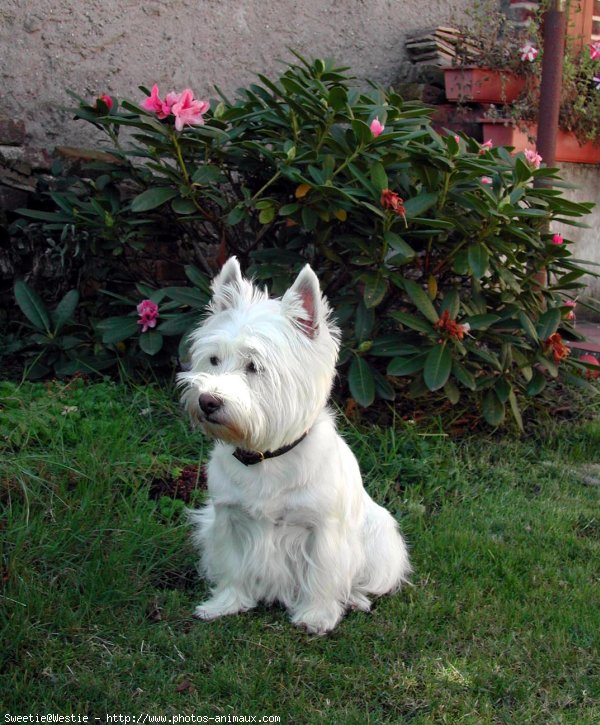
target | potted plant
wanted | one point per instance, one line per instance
(494, 59)
(578, 140)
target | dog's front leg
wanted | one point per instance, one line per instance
(331, 558)
(223, 533)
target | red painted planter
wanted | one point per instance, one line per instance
(482, 85)
(568, 149)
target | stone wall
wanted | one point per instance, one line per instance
(112, 46)
(586, 180)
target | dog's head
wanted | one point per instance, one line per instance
(262, 368)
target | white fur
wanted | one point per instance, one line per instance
(298, 529)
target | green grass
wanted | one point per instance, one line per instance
(501, 623)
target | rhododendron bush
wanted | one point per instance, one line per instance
(437, 252)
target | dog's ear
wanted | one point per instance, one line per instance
(303, 303)
(230, 277)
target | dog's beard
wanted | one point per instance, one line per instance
(228, 424)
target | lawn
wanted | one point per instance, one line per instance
(501, 623)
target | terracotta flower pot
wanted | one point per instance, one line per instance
(482, 85)
(568, 148)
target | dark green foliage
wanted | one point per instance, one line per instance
(436, 254)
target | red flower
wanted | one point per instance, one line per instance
(391, 200)
(107, 100)
(557, 347)
(451, 327)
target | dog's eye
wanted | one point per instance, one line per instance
(214, 360)
(251, 367)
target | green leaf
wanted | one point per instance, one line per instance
(536, 384)
(478, 260)
(236, 215)
(337, 98)
(191, 296)
(451, 302)
(395, 242)
(365, 320)
(437, 366)
(65, 310)
(197, 278)
(375, 289)
(421, 300)
(452, 392)
(514, 407)
(548, 323)
(391, 345)
(267, 215)
(415, 323)
(481, 322)
(179, 324)
(207, 175)
(415, 206)
(528, 325)
(493, 410)
(153, 198)
(183, 206)
(503, 389)
(151, 342)
(362, 132)
(378, 176)
(463, 376)
(32, 306)
(406, 365)
(116, 329)
(361, 382)
(383, 388)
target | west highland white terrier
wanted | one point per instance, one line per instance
(288, 519)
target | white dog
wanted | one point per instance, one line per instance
(288, 519)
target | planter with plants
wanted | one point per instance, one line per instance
(510, 60)
(493, 59)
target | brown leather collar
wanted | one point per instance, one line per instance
(250, 458)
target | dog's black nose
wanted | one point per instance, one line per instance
(209, 403)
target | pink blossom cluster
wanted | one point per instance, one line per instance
(528, 52)
(187, 110)
(595, 50)
(533, 158)
(148, 312)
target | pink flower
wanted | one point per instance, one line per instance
(486, 146)
(595, 50)
(557, 239)
(486, 180)
(148, 312)
(376, 127)
(187, 110)
(107, 100)
(571, 313)
(528, 52)
(457, 138)
(533, 158)
(155, 104)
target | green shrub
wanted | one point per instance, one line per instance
(436, 253)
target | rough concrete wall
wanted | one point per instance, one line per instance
(586, 179)
(112, 46)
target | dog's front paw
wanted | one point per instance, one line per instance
(318, 620)
(220, 605)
